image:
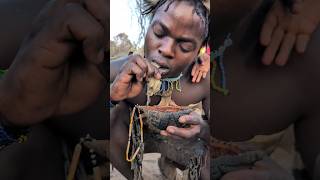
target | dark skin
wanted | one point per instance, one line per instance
(172, 41)
(48, 53)
(60, 55)
(258, 92)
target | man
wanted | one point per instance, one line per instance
(176, 33)
(264, 100)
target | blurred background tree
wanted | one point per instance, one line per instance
(121, 46)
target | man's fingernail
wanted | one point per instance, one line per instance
(182, 120)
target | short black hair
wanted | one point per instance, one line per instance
(149, 9)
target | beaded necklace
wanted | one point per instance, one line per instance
(163, 87)
(217, 57)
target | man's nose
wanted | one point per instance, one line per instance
(167, 48)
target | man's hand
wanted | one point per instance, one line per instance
(132, 77)
(200, 68)
(198, 128)
(57, 69)
(282, 30)
(265, 169)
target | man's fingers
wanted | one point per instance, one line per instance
(142, 64)
(137, 71)
(267, 29)
(190, 119)
(85, 28)
(194, 78)
(302, 43)
(194, 68)
(199, 76)
(152, 70)
(167, 134)
(285, 49)
(273, 47)
(204, 75)
(184, 132)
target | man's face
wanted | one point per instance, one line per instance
(174, 38)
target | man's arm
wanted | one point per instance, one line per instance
(115, 66)
(206, 100)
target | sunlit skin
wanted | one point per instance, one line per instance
(173, 42)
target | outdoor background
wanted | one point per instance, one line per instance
(124, 28)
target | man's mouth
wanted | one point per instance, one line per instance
(163, 70)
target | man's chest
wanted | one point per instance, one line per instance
(262, 100)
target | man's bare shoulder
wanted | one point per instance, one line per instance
(306, 69)
(203, 86)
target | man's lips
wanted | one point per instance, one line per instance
(163, 69)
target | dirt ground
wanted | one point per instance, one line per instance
(150, 169)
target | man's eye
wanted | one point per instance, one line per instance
(158, 31)
(186, 46)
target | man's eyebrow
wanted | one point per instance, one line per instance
(164, 27)
(179, 39)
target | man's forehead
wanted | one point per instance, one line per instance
(181, 16)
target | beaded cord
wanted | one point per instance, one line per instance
(168, 84)
(135, 145)
(217, 57)
(162, 87)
